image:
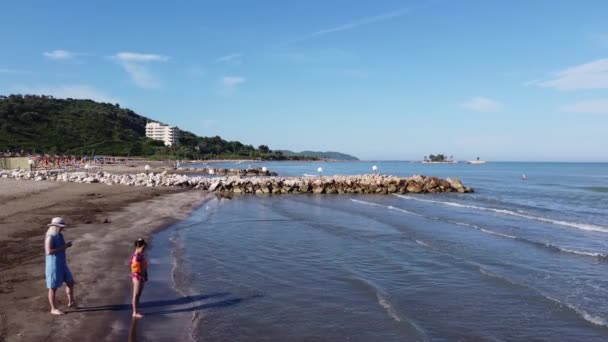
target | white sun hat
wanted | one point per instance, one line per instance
(57, 221)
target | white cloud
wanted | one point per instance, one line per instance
(592, 75)
(352, 25)
(323, 55)
(361, 22)
(134, 64)
(74, 91)
(234, 58)
(232, 81)
(598, 106)
(141, 76)
(532, 82)
(60, 54)
(230, 84)
(482, 104)
(140, 57)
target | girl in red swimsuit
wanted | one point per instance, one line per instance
(139, 274)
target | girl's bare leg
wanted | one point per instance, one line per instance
(137, 288)
(69, 290)
(54, 310)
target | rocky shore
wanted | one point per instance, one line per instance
(228, 185)
(249, 172)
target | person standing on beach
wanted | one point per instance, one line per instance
(57, 271)
(139, 274)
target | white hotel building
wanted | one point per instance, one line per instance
(158, 131)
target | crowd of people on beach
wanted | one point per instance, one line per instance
(48, 161)
(58, 273)
(57, 162)
(63, 161)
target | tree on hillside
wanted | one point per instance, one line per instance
(264, 149)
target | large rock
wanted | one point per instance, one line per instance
(414, 186)
(456, 184)
(214, 185)
(318, 189)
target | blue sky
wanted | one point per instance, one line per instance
(503, 80)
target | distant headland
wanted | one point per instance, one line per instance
(329, 155)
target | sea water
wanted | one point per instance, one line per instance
(516, 260)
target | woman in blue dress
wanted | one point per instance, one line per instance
(57, 271)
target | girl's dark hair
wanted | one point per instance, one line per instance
(140, 243)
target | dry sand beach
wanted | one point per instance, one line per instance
(102, 221)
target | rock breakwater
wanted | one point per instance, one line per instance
(250, 172)
(358, 184)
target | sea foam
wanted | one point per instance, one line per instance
(582, 226)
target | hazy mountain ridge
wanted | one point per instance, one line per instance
(324, 155)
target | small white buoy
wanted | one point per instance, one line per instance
(374, 168)
(211, 171)
(264, 169)
(320, 171)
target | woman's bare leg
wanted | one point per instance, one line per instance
(54, 310)
(137, 288)
(69, 290)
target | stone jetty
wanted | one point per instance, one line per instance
(249, 172)
(228, 185)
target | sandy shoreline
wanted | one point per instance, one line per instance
(99, 258)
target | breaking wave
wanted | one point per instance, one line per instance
(582, 226)
(540, 244)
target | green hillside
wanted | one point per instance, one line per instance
(44, 124)
(53, 125)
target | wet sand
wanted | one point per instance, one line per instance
(102, 221)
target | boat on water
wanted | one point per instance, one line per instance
(476, 161)
(438, 159)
